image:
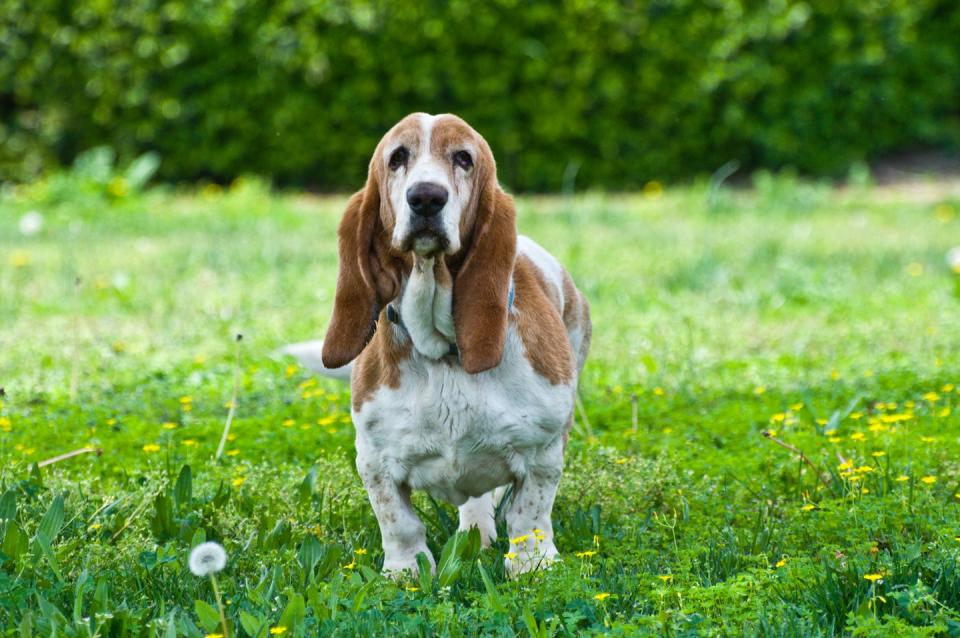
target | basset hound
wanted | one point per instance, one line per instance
(464, 342)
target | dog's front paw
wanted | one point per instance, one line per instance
(404, 565)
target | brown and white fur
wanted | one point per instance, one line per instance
(433, 234)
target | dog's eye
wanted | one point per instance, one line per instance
(463, 160)
(398, 158)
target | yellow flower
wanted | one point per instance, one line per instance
(169, 426)
(658, 391)
(944, 412)
(858, 436)
(873, 577)
(944, 213)
(931, 397)
(846, 465)
(808, 507)
(412, 589)
(19, 258)
(834, 375)
(184, 400)
(350, 565)
(585, 554)
(781, 562)
(760, 389)
(947, 387)
(510, 555)
(276, 631)
(233, 452)
(928, 439)
(189, 442)
(149, 448)
(653, 190)
(665, 577)
(902, 478)
(878, 454)
(360, 551)
(290, 371)
(929, 480)
(602, 596)
(519, 539)
(289, 423)
(796, 407)
(237, 482)
(779, 417)
(856, 416)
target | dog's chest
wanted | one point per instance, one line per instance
(458, 435)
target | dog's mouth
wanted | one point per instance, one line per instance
(426, 242)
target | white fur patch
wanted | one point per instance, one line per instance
(424, 166)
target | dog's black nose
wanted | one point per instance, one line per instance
(426, 199)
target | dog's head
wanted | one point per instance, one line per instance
(431, 191)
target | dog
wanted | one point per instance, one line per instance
(463, 343)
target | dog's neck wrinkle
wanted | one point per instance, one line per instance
(426, 310)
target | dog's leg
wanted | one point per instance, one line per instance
(478, 512)
(403, 533)
(528, 519)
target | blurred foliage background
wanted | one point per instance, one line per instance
(587, 92)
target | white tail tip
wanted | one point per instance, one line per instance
(308, 353)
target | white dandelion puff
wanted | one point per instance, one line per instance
(953, 259)
(207, 558)
(31, 223)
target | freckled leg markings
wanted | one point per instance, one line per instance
(528, 519)
(403, 533)
(479, 512)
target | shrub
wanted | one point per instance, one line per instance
(612, 94)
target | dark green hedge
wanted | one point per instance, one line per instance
(616, 93)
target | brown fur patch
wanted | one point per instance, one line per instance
(483, 281)
(576, 316)
(539, 324)
(378, 365)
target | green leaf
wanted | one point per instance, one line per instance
(171, 630)
(8, 506)
(295, 612)
(307, 486)
(251, 624)
(183, 490)
(51, 557)
(15, 542)
(162, 521)
(308, 555)
(52, 520)
(493, 597)
(426, 577)
(208, 616)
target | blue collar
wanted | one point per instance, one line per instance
(393, 315)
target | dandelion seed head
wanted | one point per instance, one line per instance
(207, 558)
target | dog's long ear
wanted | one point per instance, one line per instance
(365, 282)
(482, 284)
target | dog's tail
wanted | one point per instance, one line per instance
(308, 354)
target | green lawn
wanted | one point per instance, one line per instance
(829, 317)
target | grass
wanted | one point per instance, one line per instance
(825, 318)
